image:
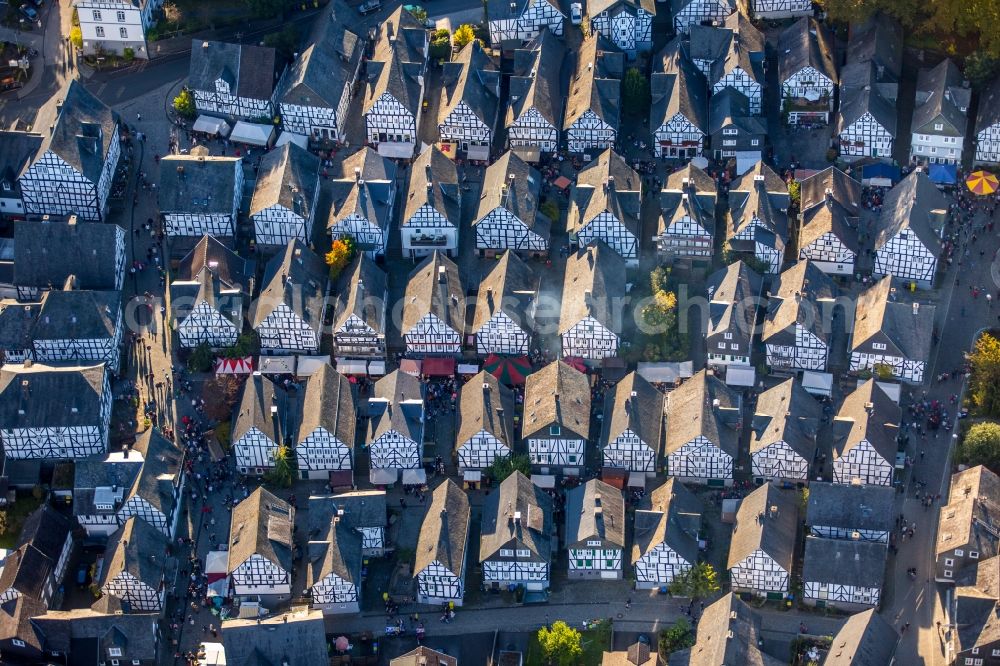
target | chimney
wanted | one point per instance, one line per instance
(759, 178)
(829, 196)
(517, 517)
(916, 309)
(442, 274)
(357, 174)
(611, 183)
(773, 511)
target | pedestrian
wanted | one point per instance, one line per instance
(921, 455)
(138, 116)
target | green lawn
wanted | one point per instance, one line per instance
(593, 641)
(15, 515)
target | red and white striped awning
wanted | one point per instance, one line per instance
(234, 366)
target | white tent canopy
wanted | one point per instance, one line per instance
(665, 372)
(210, 125)
(740, 375)
(817, 383)
(277, 365)
(217, 561)
(352, 367)
(291, 137)
(383, 477)
(376, 368)
(543, 480)
(306, 366)
(414, 477)
(252, 134)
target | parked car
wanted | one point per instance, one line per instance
(29, 12)
(82, 573)
(576, 13)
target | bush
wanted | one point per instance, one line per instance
(635, 91)
(550, 209)
(128, 54)
(223, 432)
(560, 643)
(464, 34)
(503, 467)
(981, 446)
(201, 358)
(184, 104)
(440, 44)
(985, 377)
(675, 637)
(76, 37)
(340, 255)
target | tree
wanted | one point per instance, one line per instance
(283, 472)
(560, 644)
(128, 54)
(419, 13)
(504, 466)
(245, 345)
(225, 391)
(635, 91)
(464, 34)
(984, 383)
(795, 193)
(882, 372)
(285, 41)
(341, 253)
(440, 44)
(981, 68)
(696, 583)
(76, 37)
(550, 209)
(267, 8)
(201, 358)
(184, 104)
(981, 446)
(675, 637)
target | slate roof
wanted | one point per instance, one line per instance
(845, 190)
(535, 81)
(364, 185)
(423, 655)
(636, 405)
(398, 61)
(16, 322)
(866, 639)
(731, 107)
(690, 413)
(767, 520)
(397, 405)
(45, 529)
(974, 498)
(771, 227)
(197, 184)
(17, 150)
(78, 315)
(595, 275)
(361, 291)
(989, 106)
(853, 422)
(976, 608)
(322, 71)
(674, 208)
(729, 632)
(913, 204)
(596, 83)
(859, 96)
(87, 634)
(328, 403)
(138, 549)
(444, 533)
(288, 177)
(676, 86)
(296, 638)
(50, 390)
(212, 256)
(802, 295)
(556, 395)
(115, 470)
(160, 468)
(517, 494)
(435, 287)
(831, 218)
(296, 277)
(471, 77)
(27, 570)
(697, 178)
(941, 96)
(433, 182)
(806, 43)
(46, 253)
(850, 507)
(485, 404)
(773, 184)
(338, 552)
(254, 410)
(673, 517)
(910, 331)
(510, 287)
(249, 70)
(262, 525)
(879, 40)
(16, 617)
(786, 412)
(843, 562)
(606, 185)
(82, 131)
(361, 508)
(732, 306)
(595, 510)
(738, 44)
(512, 183)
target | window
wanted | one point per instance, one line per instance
(17, 642)
(99, 30)
(974, 554)
(754, 142)
(947, 573)
(121, 17)
(114, 652)
(948, 562)
(97, 15)
(123, 33)
(938, 127)
(555, 430)
(523, 552)
(727, 336)
(594, 543)
(975, 650)
(996, 653)
(506, 552)
(878, 345)
(959, 552)
(730, 131)
(734, 346)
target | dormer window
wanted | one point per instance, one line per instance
(114, 652)
(938, 127)
(7, 187)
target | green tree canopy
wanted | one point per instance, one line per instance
(560, 644)
(635, 91)
(464, 34)
(984, 384)
(184, 104)
(283, 472)
(503, 467)
(675, 637)
(696, 583)
(981, 446)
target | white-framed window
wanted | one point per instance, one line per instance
(506, 552)
(754, 142)
(959, 552)
(99, 31)
(97, 15)
(114, 652)
(734, 346)
(974, 554)
(938, 127)
(947, 573)
(121, 17)
(555, 430)
(948, 562)
(18, 642)
(123, 33)
(727, 336)
(523, 552)
(730, 131)
(879, 346)
(996, 653)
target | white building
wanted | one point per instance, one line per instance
(604, 205)
(595, 530)
(730, 55)
(100, 483)
(830, 210)
(503, 322)
(665, 535)
(864, 437)
(334, 569)
(470, 100)
(866, 121)
(362, 195)
(593, 105)
(395, 436)
(940, 115)
(288, 315)
(360, 309)
(37, 566)
(755, 225)
(433, 206)
(783, 433)
(592, 312)
(79, 328)
(442, 547)
(688, 13)
(73, 170)
(762, 549)
(233, 80)
(522, 20)
(515, 546)
(733, 299)
(17, 150)
(155, 495)
(686, 224)
(807, 73)
(134, 571)
(485, 427)
(772, 10)
(988, 125)
(534, 113)
(627, 23)
(324, 442)
(679, 105)
(633, 426)
(283, 207)
(363, 511)
(260, 548)
(909, 230)
(112, 26)
(799, 320)
(702, 450)
(508, 217)
(434, 308)
(556, 420)
(200, 195)
(850, 512)
(846, 575)
(260, 425)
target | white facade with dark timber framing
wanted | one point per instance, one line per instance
(865, 431)
(678, 106)
(73, 170)
(595, 531)
(200, 195)
(556, 420)
(591, 316)
(762, 549)
(534, 112)
(702, 450)
(334, 570)
(909, 231)
(987, 131)
(508, 217)
(283, 207)
(687, 13)
(686, 224)
(850, 512)
(665, 535)
(627, 23)
(847, 575)
(432, 208)
(260, 425)
(325, 437)
(807, 73)
(730, 55)
(260, 548)
(604, 205)
(830, 210)
(503, 322)
(134, 572)
(485, 428)
(156, 492)
(522, 20)
(395, 436)
(772, 10)
(78, 327)
(470, 98)
(866, 121)
(434, 308)
(442, 546)
(517, 534)
(360, 311)
(800, 312)
(783, 434)
(632, 426)
(233, 80)
(288, 315)
(593, 106)
(362, 201)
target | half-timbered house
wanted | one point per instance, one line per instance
(754, 224)
(731, 56)
(200, 194)
(360, 310)
(208, 294)
(134, 572)
(17, 150)
(846, 575)
(850, 512)
(734, 294)
(967, 534)
(260, 548)
(865, 430)
(289, 311)
(627, 23)
(534, 112)
(394, 89)
(470, 101)
(632, 428)
(508, 217)
(891, 335)
(362, 195)
(283, 207)
(261, 425)
(517, 536)
(590, 317)
(433, 206)
(334, 569)
(442, 546)
(771, 10)
(830, 211)
(233, 80)
(807, 73)
(324, 442)
(987, 131)
(604, 205)
(678, 111)
(37, 566)
(729, 632)
(21, 641)
(865, 635)
(363, 511)
(100, 483)
(72, 172)
(296, 637)
(866, 121)
(879, 41)
(503, 321)
(485, 427)
(799, 320)
(54, 412)
(595, 530)
(704, 419)
(79, 327)
(16, 322)
(765, 179)
(783, 433)
(593, 106)
(940, 115)
(155, 495)
(395, 436)
(522, 20)
(734, 134)
(556, 420)
(47, 253)
(686, 224)
(909, 229)
(665, 535)
(434, 308)
(97, 637)
(688, 13)
(762, 549)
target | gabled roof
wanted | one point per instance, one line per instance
(786, 412)
(767, 520)
(296, 278)
(422, 656)
(138, 549)
(594, 277)
(322, 71)
(517, 510)
(606, 185)
(288, 177)
(802, 295)
(859, 95)
(472, 78)
(673, 518)
(485, 404)
(398, 62)
(977, 603)
(974, 500)
(161, 466)
(512, 183)
(636, 405)
(857, 563)
(82, 130)
(831, 181)
(87, 634)
(879, 40)
(212, 256)
(17, 150)
(16, 322)
(757, 209)
(909, 329)
(197, 184)
(856, 421)
(435, 287)
(806, 43)
(595, 510)
(397, 403)
(78, 315)
(27, 570)
(676, 87)
(941, 96)
(913, 204)
(259, 396)
(328, 403)
(702, 183)
(760, 177)
(596, 82)
(361, 292)
(732, 307)
(361, 508)
(46, 529)
(290, 638)
(989, 106)
(535, 81)
(691, 413)
(363, 185)
(337, 551)
(46, 253)
(866, 639)
(729, 632)
(16, 622)
(262, 525)
(444, 533)
(556, 395)
(846, 506)
(44, 392)
(831, 218)
(731, 107)
(738, 44)
(433, 182)
(249, 70)
(510, 287)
